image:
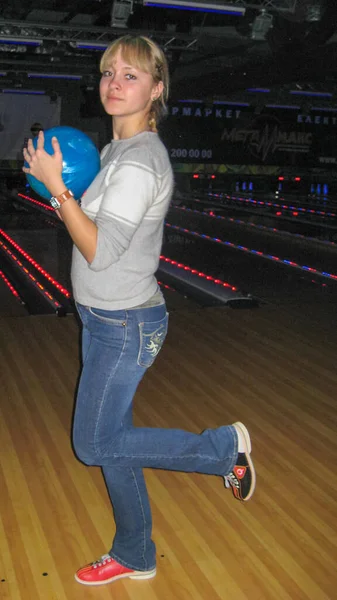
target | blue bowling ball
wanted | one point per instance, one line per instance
(81, 160)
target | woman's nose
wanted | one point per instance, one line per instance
(115, 81)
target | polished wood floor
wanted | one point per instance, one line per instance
(273, 368)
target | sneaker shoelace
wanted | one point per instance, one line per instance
(101, 561)
(231, 480)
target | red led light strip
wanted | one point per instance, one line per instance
(11, 287)
(29, 275)
(254, 225)
(196, 272)
(38, 267)
(167, 287)
(276, 259)
(33, 201)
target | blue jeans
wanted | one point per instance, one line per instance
(117, 349)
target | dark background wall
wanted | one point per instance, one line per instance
(82, 109)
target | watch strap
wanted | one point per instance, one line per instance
(62, 198)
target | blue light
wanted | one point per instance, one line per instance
(324, 108)
(191, 101)
(313, 94)
(259, 90)
(283, 106)
(231, 103)
(203, 8)
(214, 102)
(20, 42)
(91, 46)
(53, 76)
(29, 92)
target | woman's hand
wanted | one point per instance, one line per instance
(45, 167)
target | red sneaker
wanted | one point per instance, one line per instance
(107, 570)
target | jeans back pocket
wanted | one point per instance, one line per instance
(152, 336)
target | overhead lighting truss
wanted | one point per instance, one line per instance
(216, 6)
(86, 37)
(231, 7)
(283, 6)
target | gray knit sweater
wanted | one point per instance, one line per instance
(128, 201)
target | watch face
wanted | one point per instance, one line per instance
(55, 203)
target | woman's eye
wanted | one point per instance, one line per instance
(107, 73)
(130, 76)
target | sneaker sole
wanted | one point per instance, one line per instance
(241, 428)
(135, 575)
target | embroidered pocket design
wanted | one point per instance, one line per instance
(155, 342)
(152, 336)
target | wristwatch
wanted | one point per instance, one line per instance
(57, 201)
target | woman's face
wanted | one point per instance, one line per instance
(125, 90)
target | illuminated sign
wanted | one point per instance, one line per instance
(269, 140)
(205, 111)
(202, 132)
(316, 120)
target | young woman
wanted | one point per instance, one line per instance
(117, 234)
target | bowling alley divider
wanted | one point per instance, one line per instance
(39, 284)
(205, 288)
(11, 288)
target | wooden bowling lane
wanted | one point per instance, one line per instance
(272, 368)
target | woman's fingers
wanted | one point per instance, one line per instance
(56, 146)
(40, 140)
(26, 154)
(41, 164)
(31, 150)
(58, 157)
(30, 146)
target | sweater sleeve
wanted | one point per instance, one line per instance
(131, 190)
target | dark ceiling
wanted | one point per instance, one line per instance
(210, 55)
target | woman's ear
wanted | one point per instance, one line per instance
(157, 90)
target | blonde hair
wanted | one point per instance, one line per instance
(144, 54)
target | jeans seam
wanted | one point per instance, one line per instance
(174, 458)
(142, 509)
(97, 452)
(88, 345)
